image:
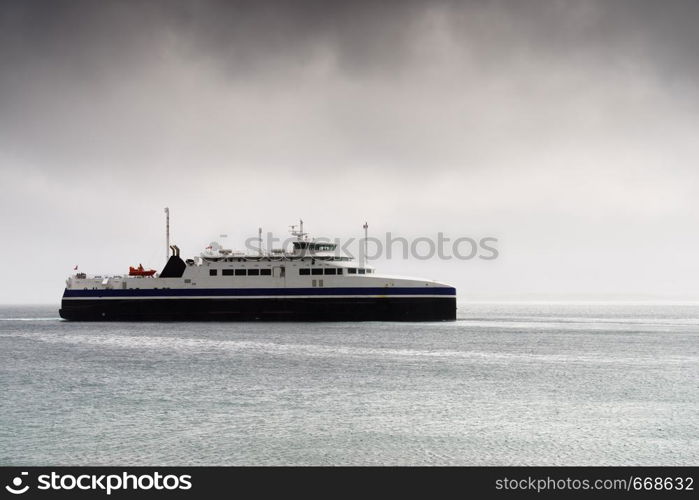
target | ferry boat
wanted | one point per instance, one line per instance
(311, 282)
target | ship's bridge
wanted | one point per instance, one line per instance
(314, 248)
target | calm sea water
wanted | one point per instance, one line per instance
(504, 385)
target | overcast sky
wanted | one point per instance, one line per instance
(566, 129)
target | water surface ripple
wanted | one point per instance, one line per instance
(506, 384)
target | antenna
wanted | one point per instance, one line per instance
(300, 235)
(366, 242)
(167, 234)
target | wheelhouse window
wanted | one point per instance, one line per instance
(253, 272)
(213, 272)
(240, 272)
(330, 270)
(323, 247)
(351, 270)
(265, 272)
(304, 272)
(227, 272)
(362, 271)
(316, 271)
(339, 270)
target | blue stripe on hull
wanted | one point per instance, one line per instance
(258, 292)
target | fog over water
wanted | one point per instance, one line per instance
(566, 129)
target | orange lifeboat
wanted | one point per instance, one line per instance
(139, 271)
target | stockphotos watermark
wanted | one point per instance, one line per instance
(102, 483)
(394, 247)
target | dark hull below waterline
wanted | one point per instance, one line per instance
(307, 309)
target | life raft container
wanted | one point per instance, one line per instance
(139, 271)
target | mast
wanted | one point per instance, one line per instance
(300, 235)
(259, 240)
(167, 234)
(366, 242)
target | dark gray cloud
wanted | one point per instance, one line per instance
(83, 37)
(93, 85)
(85, 82)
